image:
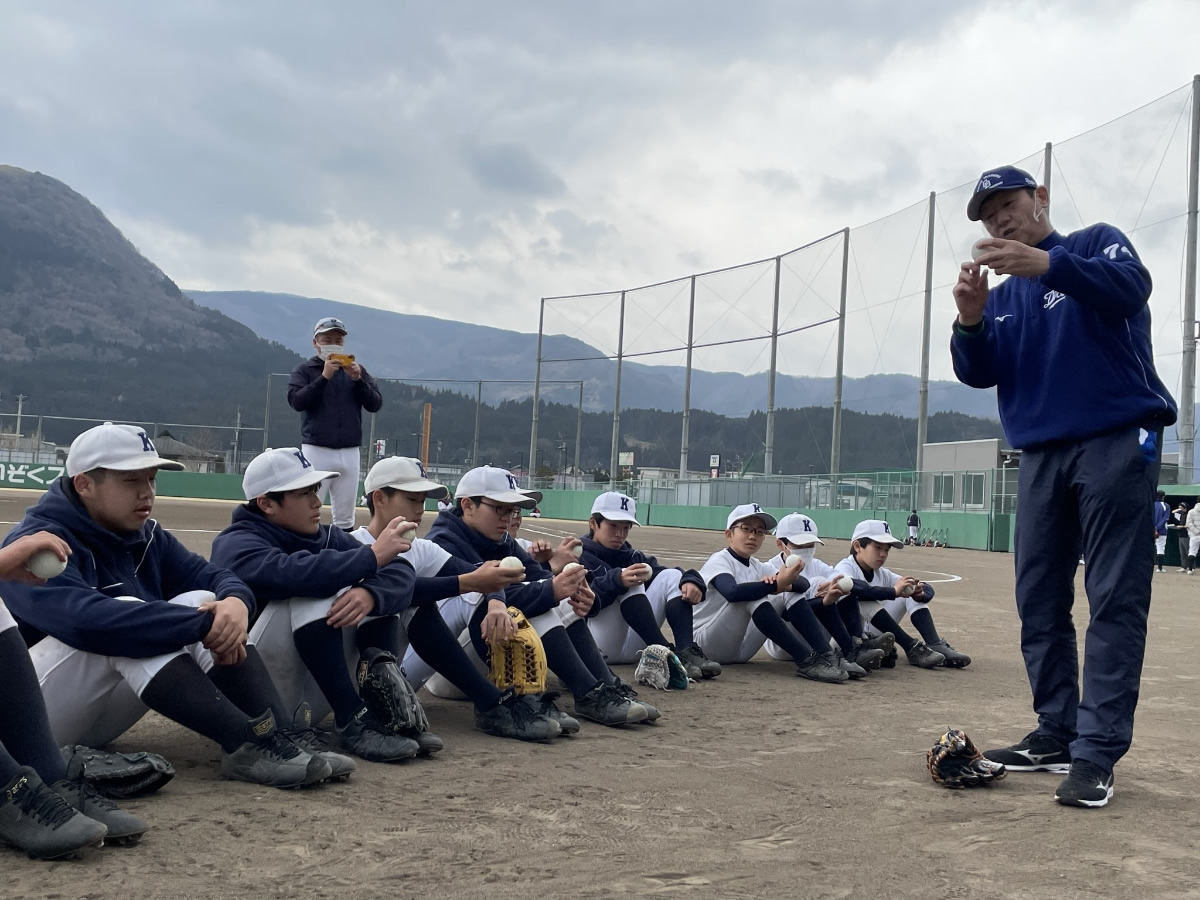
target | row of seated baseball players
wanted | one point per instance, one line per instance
(291, 616)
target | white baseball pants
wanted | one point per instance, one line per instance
(93, 699)
(617, 641)
(342, 491)
(731, 635)
(272, 634)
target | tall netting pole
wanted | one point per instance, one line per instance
(1187, 388)
(1047, 158)
(687, 385)
(537, 391)
(267, 417)
(478, 404)
(769, 447)
(579, 429)
(923, 394)
(835, 453)
(612, 462)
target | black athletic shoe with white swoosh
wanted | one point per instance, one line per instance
(1088, 785)
(1036, 752)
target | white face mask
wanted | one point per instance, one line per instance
(324, 350)
(805, 553)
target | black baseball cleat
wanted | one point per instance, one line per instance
(517, 718)
(124, 829)
(1036, 752)
(307, 738)
(36, 819)
(627, 691)
(272, 760)
(819, 668)
(366, 738)
(693, 657)
(1087, 785)
(923, 657)
(955, 659)
(544, 704)
(605, 705)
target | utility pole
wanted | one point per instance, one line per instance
(21, 398)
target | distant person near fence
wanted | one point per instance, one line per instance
(330, 391)
(1065, 340)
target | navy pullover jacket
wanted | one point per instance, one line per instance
(280, 564)
(331, 408)
(604, 570)
(456, 537)
(1069, 353)
(79, 607)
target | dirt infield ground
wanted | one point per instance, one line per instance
(758, 784)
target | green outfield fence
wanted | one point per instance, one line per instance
(971, 510)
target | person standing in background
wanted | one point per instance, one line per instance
(330, 391)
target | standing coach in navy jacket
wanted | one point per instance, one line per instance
(1065, 340)
(330, 395)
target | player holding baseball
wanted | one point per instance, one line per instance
(1065, 340)
(836, 611)
(320, 589)
(330, 391)
(138, 622)
(39, 806)
(397, 488)
(746, 599)
(884, 598)
(635, 595)
(554, 600)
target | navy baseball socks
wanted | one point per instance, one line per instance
(809, 663)
(24, 727)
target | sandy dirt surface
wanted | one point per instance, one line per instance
(757, 784)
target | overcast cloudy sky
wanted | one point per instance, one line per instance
(464, 159)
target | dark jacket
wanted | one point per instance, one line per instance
(280, 564)
(1069, 352)
(533, 597)
(79, 607)
(331, 409)
(604, 568)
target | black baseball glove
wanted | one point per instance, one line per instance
(120, 776)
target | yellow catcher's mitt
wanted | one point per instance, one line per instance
(520, 662)
(955, 762)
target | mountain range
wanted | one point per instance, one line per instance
(473, 352)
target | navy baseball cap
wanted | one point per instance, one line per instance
(1005, 178)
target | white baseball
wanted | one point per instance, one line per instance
(571, 567)
(792, 559)
(907, 590)
(845, 584)
(408, 529)
(44, 564)
(577, 550)
(977, 251)
(647, 571)
(511, 562)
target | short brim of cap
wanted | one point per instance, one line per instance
(300, 481)
(140, 462)
(801, 539)
(977, 200)
(421, 486)
(618, 516)
(327, 330)
(769, 521)
(880, 539)
(512, 498)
